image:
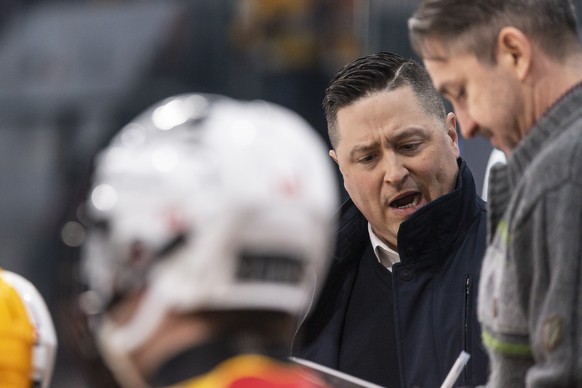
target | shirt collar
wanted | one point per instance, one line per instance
(385, 255)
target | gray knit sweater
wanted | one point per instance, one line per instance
(530, 296)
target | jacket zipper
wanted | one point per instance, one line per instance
(309, 307)
(466, 313)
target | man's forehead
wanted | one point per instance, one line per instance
(436, 49)
(443, 78)
(448, 67)
(370, 109)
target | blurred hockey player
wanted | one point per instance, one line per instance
(210, 219)
(28, 341)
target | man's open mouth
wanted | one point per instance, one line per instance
(406, 201)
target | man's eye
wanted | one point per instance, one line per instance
(367, 158)
(460, 94)
(456, 96)
(409, 147)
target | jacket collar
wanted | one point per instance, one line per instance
(433, 230)
(441, 225)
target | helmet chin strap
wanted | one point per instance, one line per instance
(119, 362)
(117, 342)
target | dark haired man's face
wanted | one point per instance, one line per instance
(394, 158)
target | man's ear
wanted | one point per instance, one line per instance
(452, 132)
(333, 155)
(514, 51)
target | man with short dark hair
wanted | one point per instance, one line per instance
(513, 73)
(399, 304)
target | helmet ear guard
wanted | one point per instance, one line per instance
(211, 204)
(28, 340)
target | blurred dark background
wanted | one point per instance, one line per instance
(74, 72)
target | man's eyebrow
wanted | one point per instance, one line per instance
(445, 87)
(362, 148)
(408, 132)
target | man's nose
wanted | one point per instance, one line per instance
(396, 171)
(468, 127)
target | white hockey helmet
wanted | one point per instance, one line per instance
(209, 203)
(28, 341)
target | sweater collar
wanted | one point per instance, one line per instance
(504, 179)
(543, 131)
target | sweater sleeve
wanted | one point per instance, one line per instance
(503, 314)
(548, 250)
(530, 300)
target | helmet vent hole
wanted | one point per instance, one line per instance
(269, 267)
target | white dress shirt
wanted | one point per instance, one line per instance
(385, 255)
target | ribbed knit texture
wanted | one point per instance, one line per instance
(529, 299)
